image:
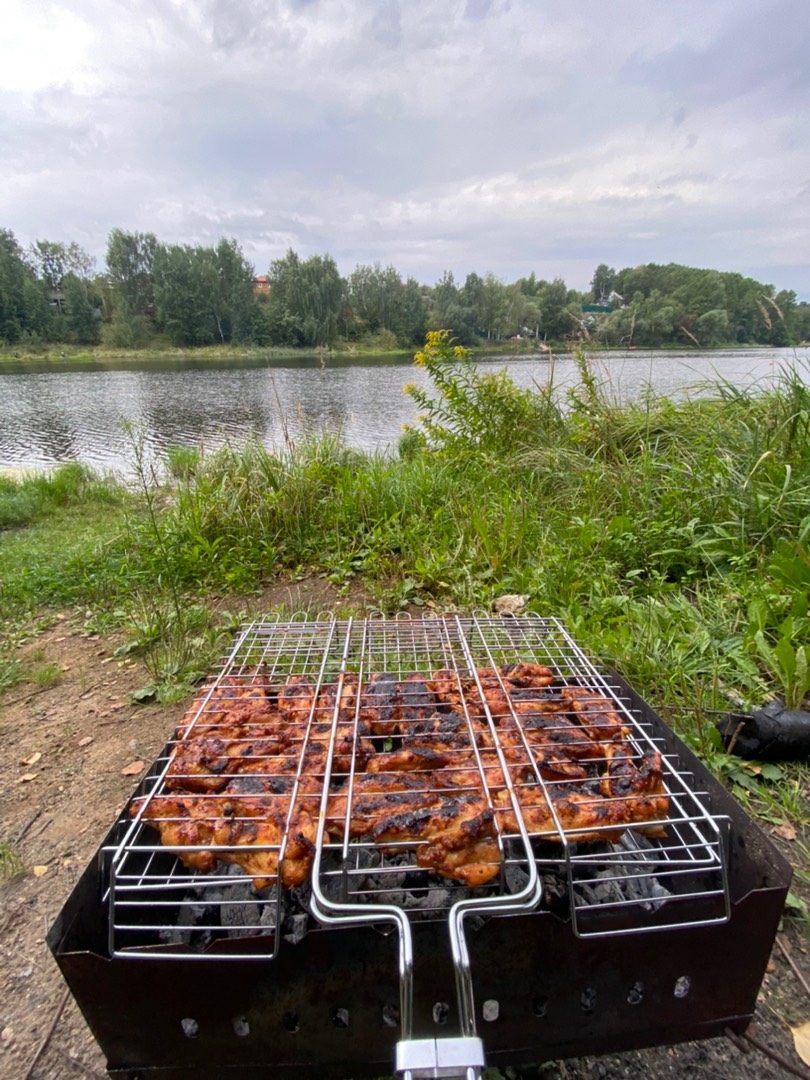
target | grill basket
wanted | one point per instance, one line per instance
(636, 936)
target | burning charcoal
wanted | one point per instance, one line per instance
(295, 928)
(300, 896)
(241, 907)
(409, 900)
(189, 918)
(438, 899)
(385, 884)
(516, 878)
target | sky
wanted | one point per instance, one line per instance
(502, 136)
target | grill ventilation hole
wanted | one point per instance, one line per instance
(390, 1015)
(191, 1029)
(635, 994)
(441, 1011)
(289, 1022)
(540, 1006)
(340, 1018)
(682, 986)
(587, 999)
(241, 1026)
(491, 1010)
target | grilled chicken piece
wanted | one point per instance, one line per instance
(230, 695)
(448, 731)
(582, 816)
(204, 762)
(251, 830)
(459, 834)
(527, 674)
(408, 759)
(341, 695)
(390, 705)
(415, 701)
(492, 691)
(641, 785)
(446, 686)
(351, 743)
(254, 792)
(377, 700)
(463, 773)
(500, 687)
(530, 699)
(296, 699)
(374, 796)
(551, 734)
(596, 715)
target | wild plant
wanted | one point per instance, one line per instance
(475, 413)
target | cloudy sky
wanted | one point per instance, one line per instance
(491, 135)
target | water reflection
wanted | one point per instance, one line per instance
(49, 417)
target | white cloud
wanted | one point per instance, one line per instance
(506, 135)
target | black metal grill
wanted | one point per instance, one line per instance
(556, 943)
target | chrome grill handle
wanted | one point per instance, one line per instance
(459, 1058)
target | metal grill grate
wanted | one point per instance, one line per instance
(619, 881)
(622, 872)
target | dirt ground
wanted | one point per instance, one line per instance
(74, 751)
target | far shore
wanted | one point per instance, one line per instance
(17, 359)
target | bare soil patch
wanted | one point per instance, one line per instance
(62, 783)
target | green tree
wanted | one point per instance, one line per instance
(559, 307)
(305, 300)
(81, 311)
(233, 300)
(450, 310)
(712, 327)
(375, 297)
(414, 314)
(24, 311)
(602, 283)
(129, 267)
(53, 260)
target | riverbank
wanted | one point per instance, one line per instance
(671, 538)
(60, 357)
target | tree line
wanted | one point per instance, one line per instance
(151, 293)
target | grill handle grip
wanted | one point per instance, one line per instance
(431, 1059)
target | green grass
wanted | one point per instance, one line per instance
(11, 864)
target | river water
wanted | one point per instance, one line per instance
(56, 416)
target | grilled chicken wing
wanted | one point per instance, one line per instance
(596, 715)
(459, 835)
(378, 698)
(244, 831)
(204, 762)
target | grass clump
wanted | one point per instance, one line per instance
(24, 500)
(11, 863)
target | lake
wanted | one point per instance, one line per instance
(56, 416)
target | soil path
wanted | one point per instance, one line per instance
(69, 765)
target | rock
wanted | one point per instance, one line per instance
(510, 604)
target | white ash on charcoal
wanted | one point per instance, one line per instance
(234, 906)
(296, 920)
(193, 925)
(244, 910)
(626, 876)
